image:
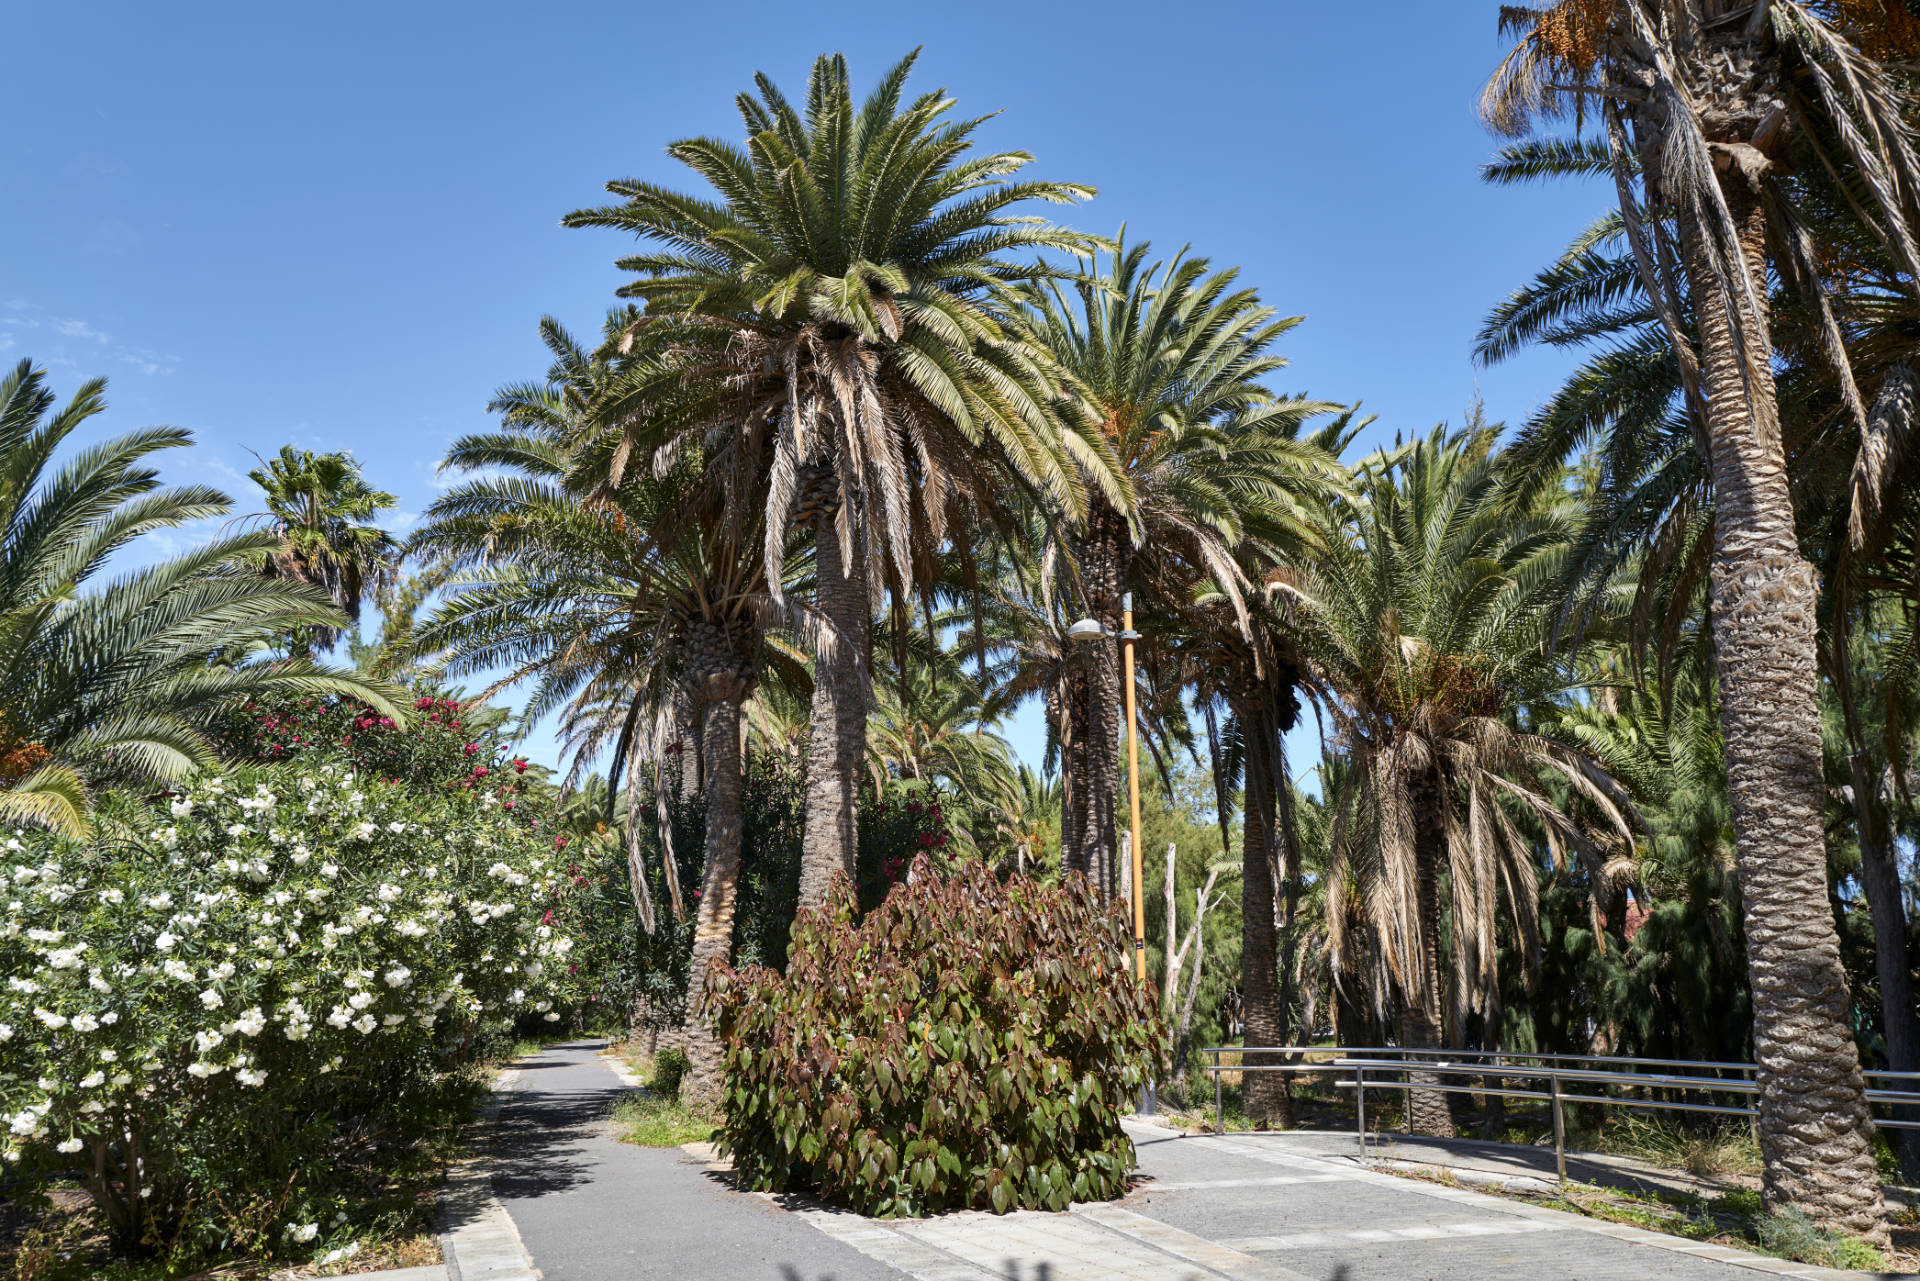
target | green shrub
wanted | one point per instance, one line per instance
(968, 1044)
(255, 987)
(669, 1066)
(1792, 1235)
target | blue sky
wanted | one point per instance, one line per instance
(338, 225)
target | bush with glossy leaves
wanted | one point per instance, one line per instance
(969, 1043)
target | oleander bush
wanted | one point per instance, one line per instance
(968, 1043)
(218, 1007)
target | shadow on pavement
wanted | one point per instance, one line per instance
(538, 1137)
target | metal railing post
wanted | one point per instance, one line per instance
(1218, 1127)
(1559, 1129)
(1360, 1108)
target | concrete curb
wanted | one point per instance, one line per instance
(477, 1237)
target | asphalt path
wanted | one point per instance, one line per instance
(591, 1208)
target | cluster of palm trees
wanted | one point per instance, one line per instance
(120, 679)
(871, 433)
(868, 434)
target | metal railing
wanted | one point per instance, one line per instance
(1547, 1076)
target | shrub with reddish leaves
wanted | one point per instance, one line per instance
(968, 1043)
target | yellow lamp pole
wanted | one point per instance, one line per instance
(1127, 637)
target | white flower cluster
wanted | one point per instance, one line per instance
(230, 952)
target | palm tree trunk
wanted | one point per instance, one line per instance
(1288, 834)
(1815, 1129)
(837, 731)
(1264, 1092)
(1103, 555)
(1880, 877)
(1069, 727)
(1099, 831)
(719, 890)
(1428, 1110)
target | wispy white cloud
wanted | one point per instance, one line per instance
(79, 329)
(18, 316)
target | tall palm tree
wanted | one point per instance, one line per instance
(1425, 622)
(320, 506)
(1168, 360)
(619, 611)
(1704, 103)
(843, 294)
(121, 681)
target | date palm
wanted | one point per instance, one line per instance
(320, 506)
(843, 292)
(618, 612)
(1425, 622)
(1704, 103)
(120, 680)
(1169, 360)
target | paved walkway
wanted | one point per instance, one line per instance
(1230, 1208)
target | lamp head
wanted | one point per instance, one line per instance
(1087, 629)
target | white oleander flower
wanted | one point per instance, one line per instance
(251, 1076)
(366, 1023)
(85, 1023)
(93, 1080)
(211, 999)
(398, 976)
(70, 1146)
(305, 1232)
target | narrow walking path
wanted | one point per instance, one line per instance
(591, 1208)
(1262, 1207)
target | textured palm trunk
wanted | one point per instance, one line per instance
(1073, 778)
(1103, 554)
(837, 730)
(1428, 1111)
(1814, 1125)
(1264, 1092)
(719, 891)
(1287, 833)
(1880, 877)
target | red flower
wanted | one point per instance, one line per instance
(470, 749)
(519, 766)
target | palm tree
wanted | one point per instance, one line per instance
(319, 506)
(1027, 810)
(1168, 360)
(122, 681)
(1425, 623)
(842, 294)
(1704, 103)
(929, 725)
(621, 612)
(1253, 670)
